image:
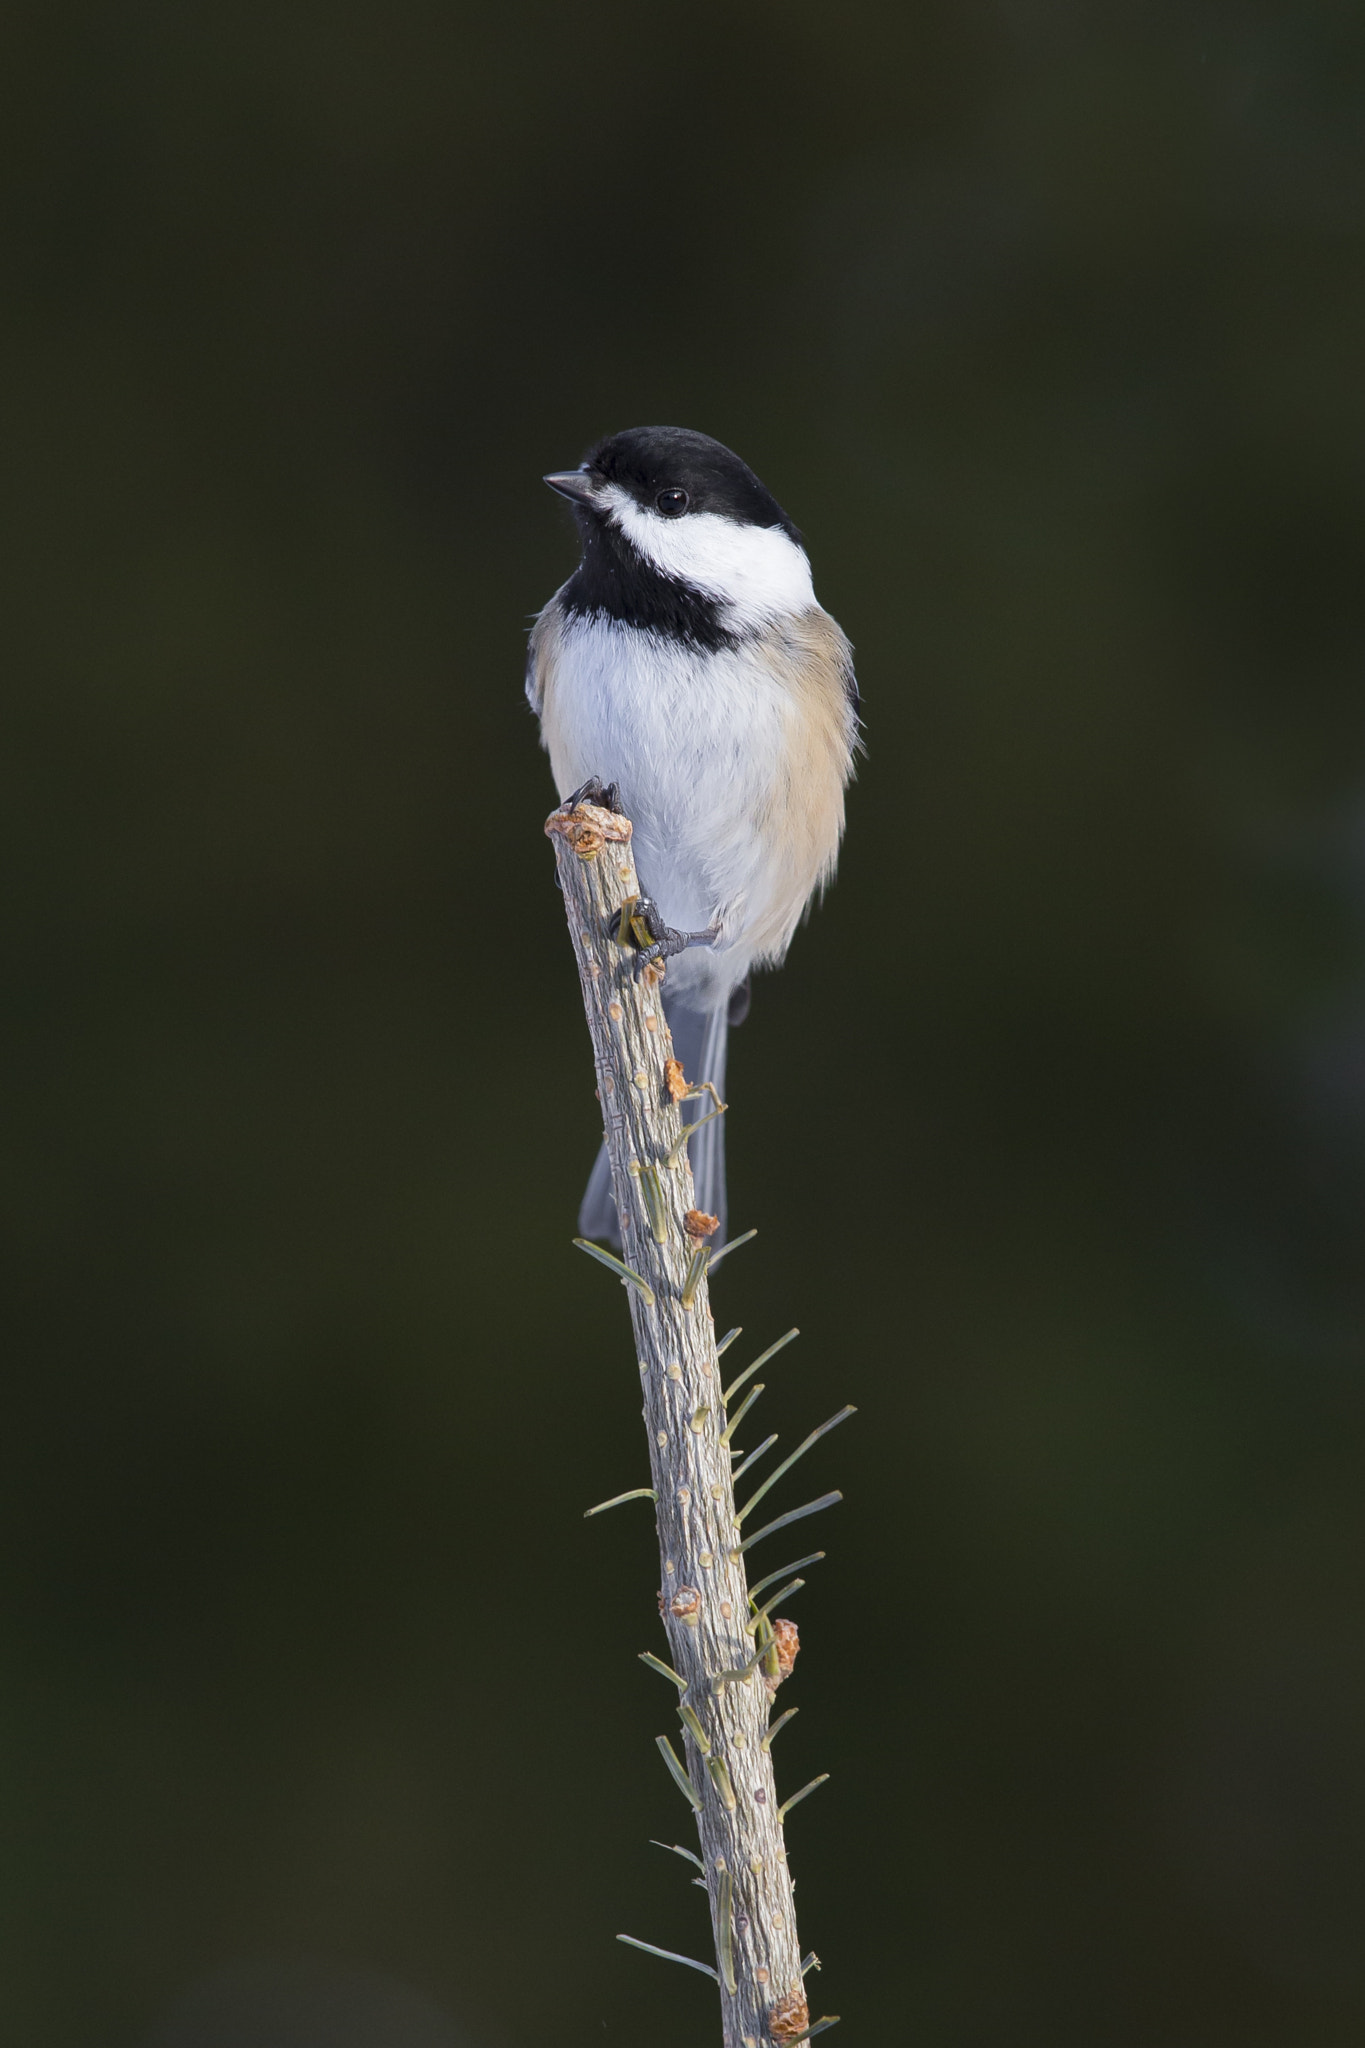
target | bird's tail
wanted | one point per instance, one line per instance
(699, 1041)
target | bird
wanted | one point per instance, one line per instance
(686, 675)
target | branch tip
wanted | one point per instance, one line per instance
(733, 1424)
(677, 1773)
(785, 1808)
(627, 1275)
(677, 1849)
(696, 1272)
(787, 1463)
(636, 1493)
(776, 1729)
(726, 1932)
(812, 1507)
(816, 1557)
(664, 1670)
(733, 1245)
(720, 1778)
(691, 1722)
(669, 1955)
(760, 1361)
(678, 1150)
(792, 1586)
(752, 1458)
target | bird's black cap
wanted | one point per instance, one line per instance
(647, 460)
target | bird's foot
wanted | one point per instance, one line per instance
(658, 941)
(606, 795)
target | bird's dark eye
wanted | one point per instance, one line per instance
(672, 503)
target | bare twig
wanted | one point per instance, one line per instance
(725, 1694)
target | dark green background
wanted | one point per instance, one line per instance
(1047, 323)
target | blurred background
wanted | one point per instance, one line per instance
(321, 1724)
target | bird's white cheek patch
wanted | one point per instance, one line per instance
(759, 570)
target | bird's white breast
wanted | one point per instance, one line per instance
(699, 743)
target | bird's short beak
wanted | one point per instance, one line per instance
(579, 486)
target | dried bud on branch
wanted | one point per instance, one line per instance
(786, 1642)
(587, 828)
(790, 2017)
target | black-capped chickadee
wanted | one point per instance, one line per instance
(687, 663)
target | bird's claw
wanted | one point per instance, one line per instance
(664, 941)
(662, 949)
(606, 795)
